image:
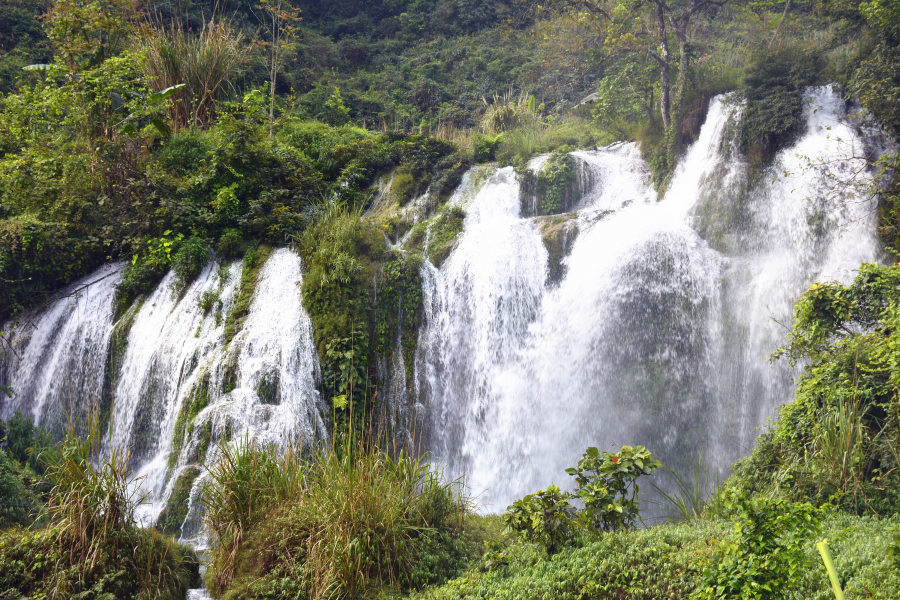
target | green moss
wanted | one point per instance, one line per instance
(558, 234)
(451, 170)
(399, 308)
(444, 231)
(417, 236)
(197, 400)
(173, 515)
(268, 390)
(115, 355)
(403, 187)
(254, 259)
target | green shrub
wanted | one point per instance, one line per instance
(347, 523)
(139, 278)
(773, 88)
(553, 181)
(92, 547)
(768, 554)
(838, 436)
(667, 562)
(339, 252)
(37, 258)
(188, 261)
(544, 517)
(18, 504)
(445, 229)
(484, 147)
(231, 245)
(27, 443)
(607, 485)
(403, 187)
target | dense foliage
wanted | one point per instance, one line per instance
(92, 546)
(343, 524)
(840, 435)
(668, 562)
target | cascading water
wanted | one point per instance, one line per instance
(656, 334)
(57, 360)
(181, 387)
(653, 329)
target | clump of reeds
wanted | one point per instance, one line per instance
(206, 63)
(334, 524)
(92, 540)
(504, 114)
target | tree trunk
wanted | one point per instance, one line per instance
(664, 83)
(274, 73)
(673, 132)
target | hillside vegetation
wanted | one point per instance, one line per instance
(166, 134)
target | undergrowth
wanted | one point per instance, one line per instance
(330, 524)
(92, 547)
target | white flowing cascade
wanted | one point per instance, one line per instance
(261, 384)
(654, 335)
(57, 359)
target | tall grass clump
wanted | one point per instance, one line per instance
(206, 63)
(330, 525)
(92, 544)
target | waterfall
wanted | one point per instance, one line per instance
(57, 359)
(629, 319)
(180, 388)
(657, 332)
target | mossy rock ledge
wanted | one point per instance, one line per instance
(558, 232)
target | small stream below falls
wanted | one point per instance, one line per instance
(654, 329)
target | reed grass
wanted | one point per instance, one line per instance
(207, 63)
(332, 524)
(694, 498)
(93, 543)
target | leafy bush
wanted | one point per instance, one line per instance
(773, 88)
(403, 187)
(27, 443)
(485, 146)
(18, 504)
(544, 517)
(667, 562)
(770, 550)
(188, 261)
(839, 434)
(605, 481)
(231, 245)
(445, 230)
(339, 252)
(92, 546)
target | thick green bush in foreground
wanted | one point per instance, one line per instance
(667, 563)
(333, 525)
